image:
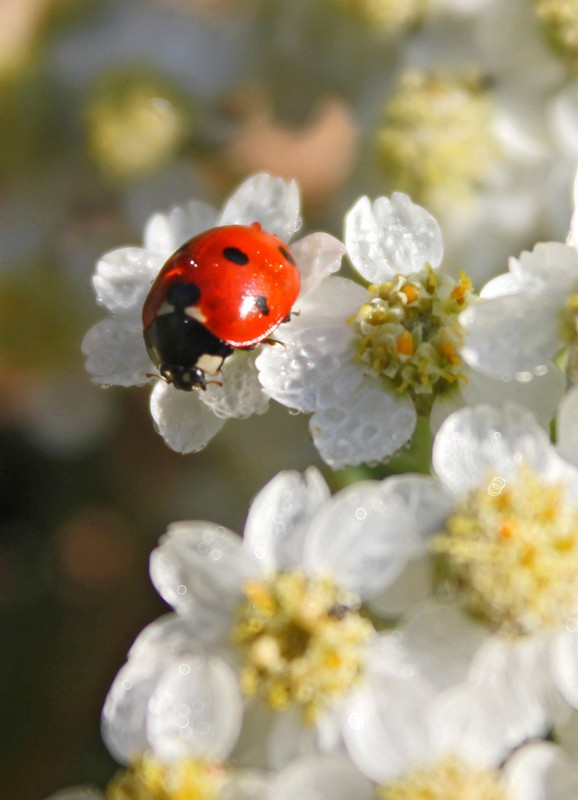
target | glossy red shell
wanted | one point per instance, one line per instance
(247, 279)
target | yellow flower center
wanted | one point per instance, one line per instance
(149, 779)
(302, 641)
(448, 779)
(569, 331)
(511, 551)
(136, 125)
(410, 335)
(389, 15)
(436, 141)
(559, 22)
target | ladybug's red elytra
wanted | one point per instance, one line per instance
(226, 289)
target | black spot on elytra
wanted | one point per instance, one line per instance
(261, 303)
(235, 255)
(287, 255)
(183, 294)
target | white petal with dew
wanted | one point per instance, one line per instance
(513, 334)
(369, 426)
(241, 394)
(425, 500)
(514, 676)
(385, 732)
(201, 564)
(359, 539)
(391, 237)
(195, 711)
(183, 420)
(123, 278)
(550, 270)
(323, 777)
(279, 516)
(273, 202)
(541, 770)
(439, 642)
(162, 638)
(115, 352)
(540, 394)
(567, 426)
(165, 233)
(477, 445)
(124, 714)
(317, 255)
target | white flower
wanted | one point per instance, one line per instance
(507, 550)
(115, 348)
(365, 363)
(528, 315)
(280, 607)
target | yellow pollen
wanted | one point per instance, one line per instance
(149, 779)
(512, 556)
(559, 22)
(302, 645)
(409, 334)
(450, 779)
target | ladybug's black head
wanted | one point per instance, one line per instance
(185, 378)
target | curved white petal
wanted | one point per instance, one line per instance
(541, 771)
(425, 500)
(511, 334)
(412, 586)
(476, 445)
(385, 731)
(567, 426)
(317, 255)
(241, 394)
(195, 711)
(115, 352)
(273, 202)
(499, 286)
(165, 233)
(564, 659)
(540, 395)
(369, 426)
(550, 270)
(391, 237)
(360, 539)
(279, 515)
(323, 777)
(290, 740)
(123, 278)
(183, 420)
(201, 564)
(162, 638)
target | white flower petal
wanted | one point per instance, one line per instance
(476, 444)
(384, 731)
(165, 233)
(444, 405)
(279, 515)
(550, 270)
(317, 255)
(541, 771)
(201, 565)
(123, 278)
(514, 676)
(565, 664)
(323, 777)
(567, 426)
(359, 539)
(391, 237)
(183, 420)
(411, 587)
(195, 711)
(540, 395)
(290, 740)
(124, 714)
(439, 642)
(273, 202)
(501, 285)
(369, 426)
(162, 638)
(516, 333)
(115, 352)
(426, 501)
(241, 393)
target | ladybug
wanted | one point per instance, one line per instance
(226, 289)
